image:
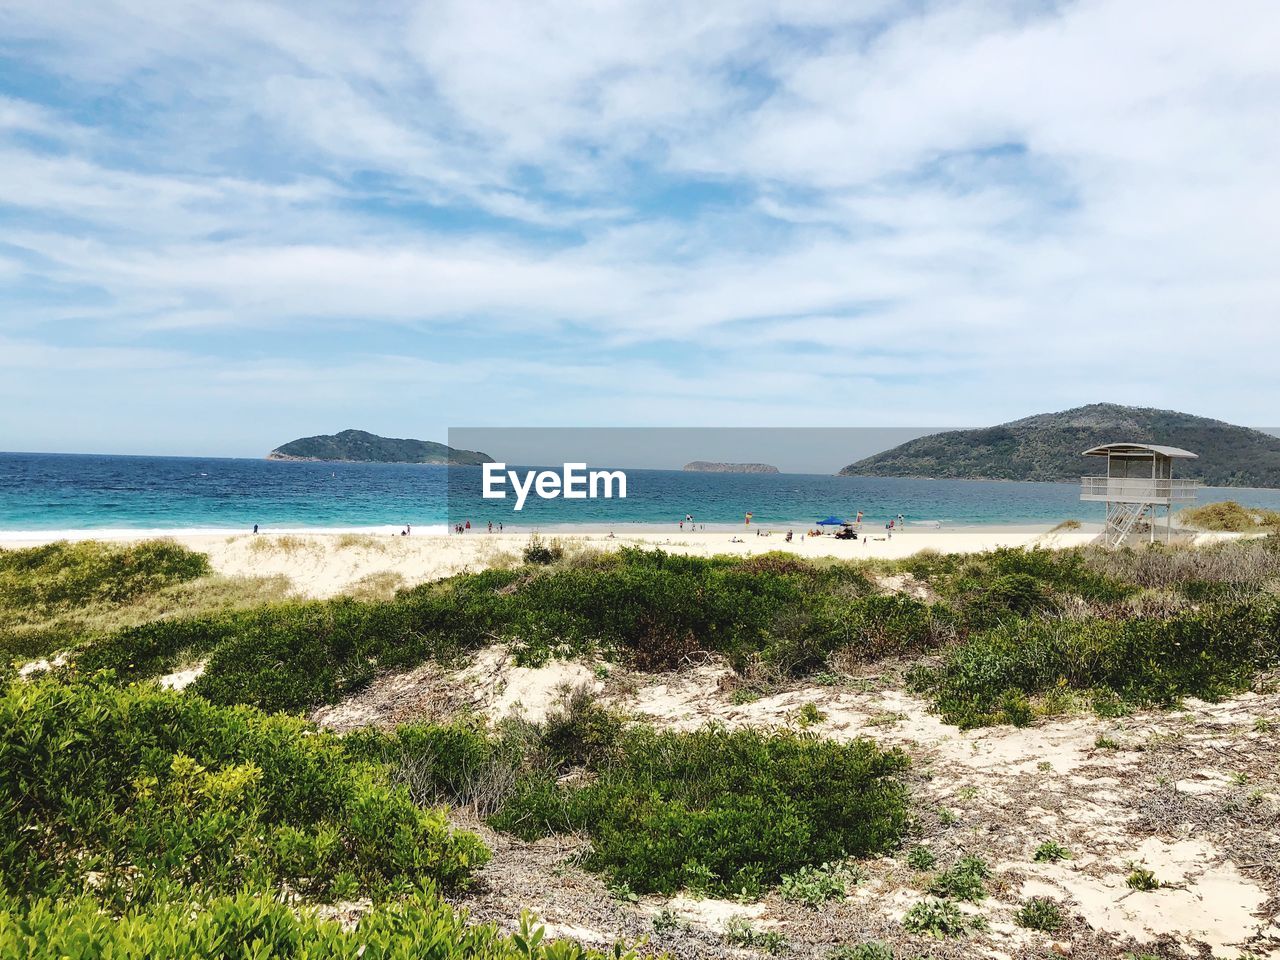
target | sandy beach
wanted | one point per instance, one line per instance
(330, 563)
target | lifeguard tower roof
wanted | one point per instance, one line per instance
(1175, 453)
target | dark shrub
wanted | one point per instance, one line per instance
(1206, 653)
(722, 810)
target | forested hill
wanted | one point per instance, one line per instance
(361, 447)
(1048, 447)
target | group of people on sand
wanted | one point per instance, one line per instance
(688, 519)
(465, 527)
(850, 531)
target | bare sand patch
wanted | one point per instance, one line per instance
(490, 685)
(181, 679)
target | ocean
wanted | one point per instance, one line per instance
(79, 494)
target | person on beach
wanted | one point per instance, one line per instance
(255, 528)
(788, 536)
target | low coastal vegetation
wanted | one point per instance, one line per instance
(140, 794)
(140, 823)
(1231, 517)
(65, 595)
(154, 822)
(248, 927)
(1206, 652)
(719, 812)
(997, 631)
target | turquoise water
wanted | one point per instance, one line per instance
(57, 492)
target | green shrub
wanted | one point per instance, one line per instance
(141, 794)
(963, 881)
(1051, 852)
(1039, 913)
(469, 764)
(921, 858)
(1140, 878)
(646, 607)
(785, 614)
(1205, 652)
(1017, 594)
(460, 764)
(710, 810)
(1015, 579)
(294, 655)
(802, 637)
(813, 886)
(579, 732)
(249, 927)
(738, 932)
(537, 551)
(940, 919)
(719, 810)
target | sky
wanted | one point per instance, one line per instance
(227, 224)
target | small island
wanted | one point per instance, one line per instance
(707, 466)
(359, 446)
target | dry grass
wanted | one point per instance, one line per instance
(362, 541)
(1231, 517)
(1246, 567)
(381, 585)
(48, 631)
(284, 544)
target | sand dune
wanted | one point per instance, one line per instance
(327, 564)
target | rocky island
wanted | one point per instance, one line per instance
(359, 446)
(707, 466)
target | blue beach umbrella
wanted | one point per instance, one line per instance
(832, 522)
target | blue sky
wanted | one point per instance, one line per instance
(227, 224)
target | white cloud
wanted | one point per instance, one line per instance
(960, 213)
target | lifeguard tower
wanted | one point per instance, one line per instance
(1139, 481)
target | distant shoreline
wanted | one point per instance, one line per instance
(289, 458)
(480, 530)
